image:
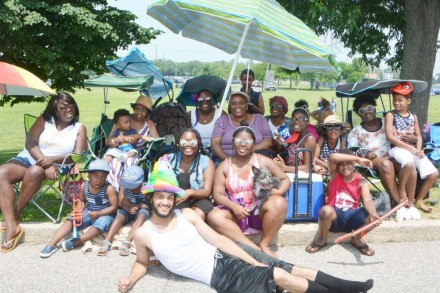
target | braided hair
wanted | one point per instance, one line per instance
(200, 151)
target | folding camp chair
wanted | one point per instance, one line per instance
(40, 199)
(434, 143)
(152, 149)
(99, 135)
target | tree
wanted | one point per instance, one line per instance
(370, 27)
(61, 40)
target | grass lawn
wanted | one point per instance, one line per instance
(91, 104)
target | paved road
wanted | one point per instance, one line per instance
(396, 267)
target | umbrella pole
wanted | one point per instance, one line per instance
(237, 55)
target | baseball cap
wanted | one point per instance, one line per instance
(403, 88)
(132, 177)
(98, 165)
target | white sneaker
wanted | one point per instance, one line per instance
(402, 214)
(414, 213)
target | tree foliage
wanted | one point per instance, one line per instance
(401, 33)
(61, 40)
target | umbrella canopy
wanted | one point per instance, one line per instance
(214, 84)
(16, 81)
(135, 64)
(121, 82)
(378, 86)
(256, 29)
(274, 35)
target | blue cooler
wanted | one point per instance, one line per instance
(305, 206)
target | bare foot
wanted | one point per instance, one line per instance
(423, 207)
(268, 251)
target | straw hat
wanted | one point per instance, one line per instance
(333, 120)
(143, 101)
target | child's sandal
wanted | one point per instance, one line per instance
(104, 248)
(125, 248)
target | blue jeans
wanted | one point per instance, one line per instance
(102, 223)
(130, 217)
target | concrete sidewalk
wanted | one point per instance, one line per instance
(294, 233)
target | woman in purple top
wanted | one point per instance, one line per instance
(221, 141)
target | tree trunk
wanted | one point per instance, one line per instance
(420, 46)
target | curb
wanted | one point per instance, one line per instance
(292, 234)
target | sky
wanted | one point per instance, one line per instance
(174, 47)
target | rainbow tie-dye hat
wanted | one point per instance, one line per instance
(162, 178)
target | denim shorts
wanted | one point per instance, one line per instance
(102, 223)
(130, 217)
(349, 220)
(23, 160)
(231, 274)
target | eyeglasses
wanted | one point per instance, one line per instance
(369, 108)
(66, 108)
(300, 120)
(333, 127)
(240, 141)
(276, 106)
(207, 99)
(185, 143)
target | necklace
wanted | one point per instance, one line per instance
(374, 127)
(206, 118)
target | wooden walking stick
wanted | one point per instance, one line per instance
(367, 228)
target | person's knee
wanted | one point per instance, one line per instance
(386, 167)
(275, 204)
(215, 218)
(35, 173)
(326, 212)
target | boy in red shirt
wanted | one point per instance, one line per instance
(342, 212)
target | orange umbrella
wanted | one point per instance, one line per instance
(16, 81)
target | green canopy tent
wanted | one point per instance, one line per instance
(123, 83)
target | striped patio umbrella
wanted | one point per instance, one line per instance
(255, 29)
(16, 81)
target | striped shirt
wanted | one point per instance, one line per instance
(134, 198)
(96, 202)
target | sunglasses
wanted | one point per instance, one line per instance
(240, 141)
(190, 143)
(207, 99)
(276, 106)
(369, 108)
(65, 108)
(333, 127)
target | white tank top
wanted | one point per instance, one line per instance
(53, 142)
(183, 251)
(205, 130)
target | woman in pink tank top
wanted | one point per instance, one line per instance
(233, 193)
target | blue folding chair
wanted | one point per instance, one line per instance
(434, 143)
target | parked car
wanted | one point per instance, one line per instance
(270, 87)
(256, 84)
(436, 90)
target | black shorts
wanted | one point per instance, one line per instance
(203, 204)
(234, 275)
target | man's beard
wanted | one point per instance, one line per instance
(157, 213)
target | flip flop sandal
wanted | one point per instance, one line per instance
(13, 242)
(154, 262)
(314, 247)
(364, 249)
(104, 248)
(3, 226)
(125, 248)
